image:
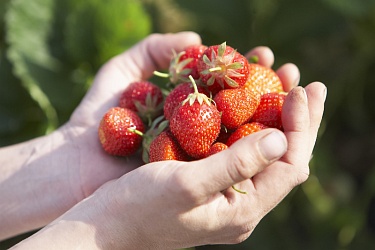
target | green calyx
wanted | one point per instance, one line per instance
(196, 96)
(177, 71)
(222, 68)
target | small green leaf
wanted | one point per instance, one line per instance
(235, 65)
(211, 81)
(221, 49)
(231, 82)
(206, 60)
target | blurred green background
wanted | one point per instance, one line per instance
(50, 51)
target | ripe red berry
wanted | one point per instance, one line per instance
(216, 148)
(222, 67)
(116, 133)
(187, 62)
(196, 124)
(143, 97)
(237, 106)
(245, 130)
(263, 80)
(184, 64)
(270, 109)
(165, 147)
(177, 96)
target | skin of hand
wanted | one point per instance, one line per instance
(154, 53)
(170, 205)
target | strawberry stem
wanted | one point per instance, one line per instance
(194, 84)
(161, 74)
(218, 68)
(239, 190)
(135, 131)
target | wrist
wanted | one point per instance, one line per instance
(35, 189)
(90, 224)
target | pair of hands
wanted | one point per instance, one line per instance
(180, 204)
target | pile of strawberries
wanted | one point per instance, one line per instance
(214, 97)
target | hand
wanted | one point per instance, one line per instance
(169, 205)
(71, 158)
(94, 166)
(177, 204)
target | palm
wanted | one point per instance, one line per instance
(138, 63)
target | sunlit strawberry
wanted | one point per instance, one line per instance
(196, 124)
(222, 67)
(116, 131)
(270, 109)
(245, 130)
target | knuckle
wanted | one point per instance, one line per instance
(184, 188)
(246, 163)
(240, 165)
(242, 233)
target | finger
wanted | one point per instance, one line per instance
(296, 124)
(316, 93)
(154, 53)
(276, 181)
(241, 161)
(289, 75)
(264, 54)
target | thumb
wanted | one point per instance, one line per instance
(241, 161)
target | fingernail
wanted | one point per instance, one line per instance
(296, 81)
(325, 94)
(273, 145)
(304, 94)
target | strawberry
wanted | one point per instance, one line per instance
(165, 147)
(184, 64)
(115, 133)
(196, 124)
(245, 130)
(269, 110)
(263, 80)
(216, 148)
(143, 97)
(237, 106)
(222, 67)
(178, 95)
(224, 135)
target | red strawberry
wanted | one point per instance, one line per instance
(263, 80)
(178, 95)
(245, 130)
(269, 110)
(184, 64)
(224, 135)
(165, 147)
(222, 67)
(196, 124)
(115, 133)
(237, 106)
(216, 148)
(143, 97)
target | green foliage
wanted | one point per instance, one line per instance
(54, 47)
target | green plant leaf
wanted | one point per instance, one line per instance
(27, 34)
(98, 30)
(20, 117)
(29, 25)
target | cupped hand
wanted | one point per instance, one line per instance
(95, 167)
(170, 204)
